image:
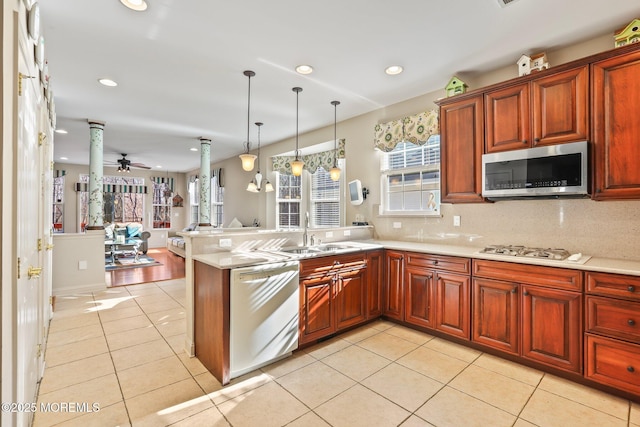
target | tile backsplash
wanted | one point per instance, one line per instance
(602, 229)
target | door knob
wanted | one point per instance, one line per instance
(34, 272)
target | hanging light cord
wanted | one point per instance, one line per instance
(335, 138)
(258, 124)
(297, 90)
(247, 144)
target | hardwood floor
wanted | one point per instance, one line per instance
(172, 268)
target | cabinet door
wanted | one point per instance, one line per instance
(461, 148)
(420, 304)
(616, 94)
(496, 314)
(552, 327)
(560, 107)
(452, 304)
(316, 308)
(375, 282)
(393, 290)
(508, 119)
(350, 298)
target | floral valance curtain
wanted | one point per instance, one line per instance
(312, 162)
(416, 129)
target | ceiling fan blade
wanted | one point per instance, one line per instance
(139, 165)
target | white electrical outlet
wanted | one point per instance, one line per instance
(397, 224)
(456, 220)
(225, 243)
(82, 265)
(347, 232)
(328, 235)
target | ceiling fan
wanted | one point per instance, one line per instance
(125, 164)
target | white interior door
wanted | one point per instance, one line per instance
(28, 311)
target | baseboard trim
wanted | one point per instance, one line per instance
(95, 287)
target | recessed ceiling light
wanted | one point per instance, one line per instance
(64, 158)
(393, 70)
(304, 69)
(137, 5)
(108, 82)
(193, 149)
(62, 131)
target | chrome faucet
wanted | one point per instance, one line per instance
(305, 235)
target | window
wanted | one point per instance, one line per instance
(324, 199)
(161, 205)
(123, 200)
(288, 198)
(58, 204)
(315, 193)
(411, 178)
(217, 202)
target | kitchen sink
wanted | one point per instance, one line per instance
(300, 251)
(332, 248)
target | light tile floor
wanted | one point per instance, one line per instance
(122, 349)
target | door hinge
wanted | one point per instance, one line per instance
(18, 267)
(39, 350)
(51, 165)
(39, 245)
(20, 77)
(41, 137)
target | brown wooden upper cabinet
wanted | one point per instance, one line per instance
(616, 127)
(461, 145)
(544, 111)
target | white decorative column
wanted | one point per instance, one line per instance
(96, 132)
(204, 219)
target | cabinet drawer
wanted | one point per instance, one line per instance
(613, 363)
(614, 285)
(551, 277)
(440, 262)
(323, 265)
(620, 319)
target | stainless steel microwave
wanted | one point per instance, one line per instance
(552, 171)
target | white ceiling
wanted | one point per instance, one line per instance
(180, 64)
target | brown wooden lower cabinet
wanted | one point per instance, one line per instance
(453, 308)
(496, 314)
(420, 305)
(613, 363)
(333, 294)
(552, 327)
(375, 282)
(393, 298)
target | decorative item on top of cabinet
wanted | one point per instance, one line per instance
(528, 64)
(616, 93)
(455, 86)
(612, 332)
(627, 35)
(461, 149)
(547, 110)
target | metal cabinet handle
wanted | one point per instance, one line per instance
(631, 322)
(631, 288)
(435, 262)
(525, 293)
(514, 290)
(537, 139)
(524, 141)
(630, 369)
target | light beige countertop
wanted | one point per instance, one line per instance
(243, 259)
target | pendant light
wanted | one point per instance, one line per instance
(248, 159)
(297, 164)
(256, 184)
(334, 173)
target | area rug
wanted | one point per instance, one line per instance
(130, 262)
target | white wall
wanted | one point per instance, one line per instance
(78, 262)
(594, 228)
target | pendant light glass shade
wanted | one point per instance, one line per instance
(256, 183)
(297, 164)
(334, 173)
(247, 158)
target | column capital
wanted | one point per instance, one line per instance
(204, 140)
(96, 123)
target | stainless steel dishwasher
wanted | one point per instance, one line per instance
(264, 312)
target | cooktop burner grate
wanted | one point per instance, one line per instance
(511, 250)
